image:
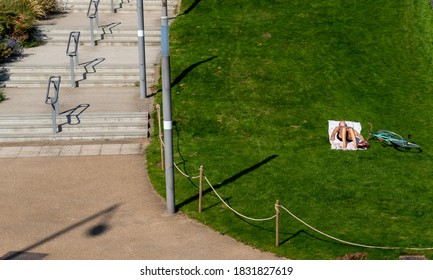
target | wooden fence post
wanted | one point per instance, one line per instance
(200, 191)
(277, 223)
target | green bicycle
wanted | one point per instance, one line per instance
(389, 138)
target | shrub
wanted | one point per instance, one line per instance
(41, 8)
(36, 8)
(2, 95)
(16, 24)
(5, 52)
(15, 30)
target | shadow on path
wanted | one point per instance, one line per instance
(105, 214)
(89, 65)
(71, 114)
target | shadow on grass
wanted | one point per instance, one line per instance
(185, 72)
(290, 235)
(99, 229)
(228, 180)
(298, 233)
(190, 8)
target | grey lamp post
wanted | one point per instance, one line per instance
(167, 109)
(141, 51)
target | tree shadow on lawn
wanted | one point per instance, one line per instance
(228, 181)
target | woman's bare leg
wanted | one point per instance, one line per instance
(343, 135)
(352, 135)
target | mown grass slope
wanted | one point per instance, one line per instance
(254, 84)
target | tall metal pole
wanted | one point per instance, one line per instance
(92, 37)
(141, 52)
(164, 8)
(166, 103)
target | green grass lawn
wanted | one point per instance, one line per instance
(254, 85)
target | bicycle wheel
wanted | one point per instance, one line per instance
(405, 145)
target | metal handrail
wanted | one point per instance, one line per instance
(91, 17)
(95, 5)
(75, 37)
(54, 100)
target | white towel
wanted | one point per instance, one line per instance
(336, 144)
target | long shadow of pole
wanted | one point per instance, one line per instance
(190, 8)
(189, 69)
(228, 180)
(185, 72)
(107, 211)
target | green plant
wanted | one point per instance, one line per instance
(5, 51)
(35, 8)
(2, 95)
(17, 24)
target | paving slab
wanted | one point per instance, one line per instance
(72, 150)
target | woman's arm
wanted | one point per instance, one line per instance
(334, 132)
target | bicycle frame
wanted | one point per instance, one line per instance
(389, 138)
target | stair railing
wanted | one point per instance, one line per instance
(53, 100)
(72, 51)
(92, 14)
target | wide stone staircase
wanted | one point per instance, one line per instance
(92, 126)
(25, 76)
(109, 69)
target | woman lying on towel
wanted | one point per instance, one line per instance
(347, 135)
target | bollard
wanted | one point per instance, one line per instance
(200, 193)
(277, 223)
(161, 143)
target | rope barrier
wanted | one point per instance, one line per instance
(236, 212)
(351, 243)
(184, 174)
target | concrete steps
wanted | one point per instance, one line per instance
(100, 76)
(83, 126)
(114, 36)
(81, 6)
(104, 73)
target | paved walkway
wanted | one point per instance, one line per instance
(99, 207)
